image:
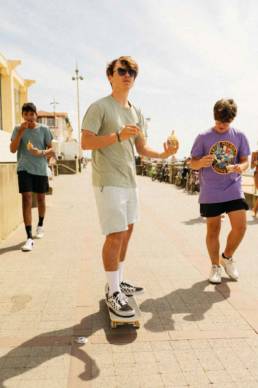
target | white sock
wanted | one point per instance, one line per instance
(121, 271)
(113, 281)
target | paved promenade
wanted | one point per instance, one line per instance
(193, 334)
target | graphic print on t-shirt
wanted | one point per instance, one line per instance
(224, 154)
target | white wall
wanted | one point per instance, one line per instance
(70, 149)
(5, 154)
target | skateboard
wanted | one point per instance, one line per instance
(116, 321)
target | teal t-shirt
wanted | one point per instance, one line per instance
(40, 137)
(113, 165)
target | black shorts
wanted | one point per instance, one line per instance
(29, 183)
(216, 209)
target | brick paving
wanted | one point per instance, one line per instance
(193, 334)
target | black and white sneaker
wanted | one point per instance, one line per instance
(107, 293)
(130, 290)
(119, 306)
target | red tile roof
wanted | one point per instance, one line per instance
(42, 113)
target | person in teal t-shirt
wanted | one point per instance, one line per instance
(32, 142)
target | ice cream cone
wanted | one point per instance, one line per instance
(29, 145)
(172, 139)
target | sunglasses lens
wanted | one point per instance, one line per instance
(121, 71)
(132, 73)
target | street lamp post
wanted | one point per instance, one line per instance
(54, 103)
(78, 78)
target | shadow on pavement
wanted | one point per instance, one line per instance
(194, 302)
(49, 345)
(198, 220)
(11, 248)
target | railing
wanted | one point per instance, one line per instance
(65, 167)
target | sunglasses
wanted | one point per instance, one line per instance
(122, 71)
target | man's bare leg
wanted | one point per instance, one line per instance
(27, 218)
(124, 247)
(41, 213)
(125, 242)
(111, 257)
(26, 208)
(27, 214)
(41, 204)
(111, 250)
(127, 288)
(238, 228)
(212, 238)
(255, 208)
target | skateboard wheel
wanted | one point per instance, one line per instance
(137, 325)
(113, 325)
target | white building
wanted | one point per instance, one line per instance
(61, 129)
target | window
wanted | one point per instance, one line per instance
(51, 122)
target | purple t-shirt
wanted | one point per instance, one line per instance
(216, 184)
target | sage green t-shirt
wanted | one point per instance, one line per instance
(40, 137)
(113, 165)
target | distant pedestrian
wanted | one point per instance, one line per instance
(254, 164)
(221, 156)
(33, 143)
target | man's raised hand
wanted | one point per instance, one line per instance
(128, 131)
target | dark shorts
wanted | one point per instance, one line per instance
(216, 209)
(29, 183)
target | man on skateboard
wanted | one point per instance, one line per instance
(111, 127)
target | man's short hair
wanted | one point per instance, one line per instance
(29, 107)
(126, 61)
(225, 110)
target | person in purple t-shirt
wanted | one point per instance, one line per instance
(221, 156)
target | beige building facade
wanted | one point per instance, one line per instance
(13, 94)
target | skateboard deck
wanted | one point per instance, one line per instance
(116, 321)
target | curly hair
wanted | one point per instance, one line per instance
(225, 110)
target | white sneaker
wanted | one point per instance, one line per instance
(39, 232)
(28, 245)
(215, 274)
(230, 268)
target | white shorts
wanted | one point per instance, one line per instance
(117, 207)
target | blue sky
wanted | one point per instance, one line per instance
(191, 53)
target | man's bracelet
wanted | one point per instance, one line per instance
(118, 137)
